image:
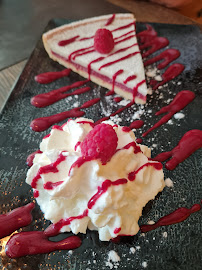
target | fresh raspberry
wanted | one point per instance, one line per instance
(100, 143)
(103, 41)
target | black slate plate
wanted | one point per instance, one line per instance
(182, 248)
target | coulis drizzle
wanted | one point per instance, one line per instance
(167, 56)
(30, 158)
(171, 73)
(37, 242)
(180, 101)
(136, 124)
(189, 143)
(110, 20)
(46, 99)
(177, 216)
(49, 77)
(15, 219)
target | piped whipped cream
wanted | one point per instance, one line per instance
(94, 177)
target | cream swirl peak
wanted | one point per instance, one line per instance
(103, 49)
(94, 177)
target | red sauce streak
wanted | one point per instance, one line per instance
(189, 143)
(46, 99)
(124, 27)
(177, 216)
(79, 51)
(93, 61)
(135, 89)
(130, 78)
(109, 93)
(134, 145)
(110, 20)
(117, 99)
(80, 161)
(136, 124)
(87, 122)
(117, 230)
(124, 39)
(36, 242)
(132, 175)
(30, 158)
(121, 36)
(67, 41)
(43, 123)
(101, 190)
(15, 219)
(57, 127)
(126, 129)
(147, 34)
(49, 77)
(76, 145)
(82, 53)
(46, 136)
(36, 193)
(139, 140)
(118, 60)
(85, 38)
(102, 57)
(50, 185)
(51, 168)
(180, 101)
(171, 72)
(90, 103)
(167, 56)
(54, 229)
(154, 44)
(120, 71)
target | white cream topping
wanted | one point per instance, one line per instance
(117, 210)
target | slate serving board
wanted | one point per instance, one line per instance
(182, 248)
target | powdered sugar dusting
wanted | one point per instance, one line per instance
(158, 78)
(137, 114)
(151, 73)
(76, 104)
(113, 256)
(116, 119)
(144, 264)
(170, 122)
(124, 102)
(150, 222)
(132, 250)
(179, 115)
(169, 182)
(113, 260)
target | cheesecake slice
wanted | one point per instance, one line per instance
(103, 49)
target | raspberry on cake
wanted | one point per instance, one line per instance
(94, 177)
(103, 49)
(103, 41)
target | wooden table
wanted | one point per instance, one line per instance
(144, 11)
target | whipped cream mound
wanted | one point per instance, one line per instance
(94, 177)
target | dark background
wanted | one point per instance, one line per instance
(22, 22)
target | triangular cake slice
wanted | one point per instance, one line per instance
(120, 70)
